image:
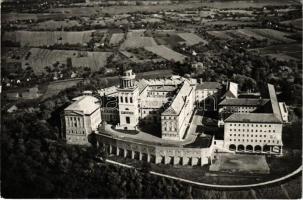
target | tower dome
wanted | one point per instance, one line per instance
(127, 79)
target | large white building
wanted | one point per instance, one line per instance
(81, 118)
(255, 132)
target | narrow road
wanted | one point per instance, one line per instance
(213, 185)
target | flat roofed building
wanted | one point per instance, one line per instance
(81, 118)
(255, 132)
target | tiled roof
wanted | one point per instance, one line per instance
(243, 102)
(208, 85)
(253, 118)
(87, 104)
(178, 102)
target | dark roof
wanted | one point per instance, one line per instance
(253, 118)
(243, 102)
(208, 85)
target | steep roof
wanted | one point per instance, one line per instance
(232, 90)
(178, 102)
(253, 118)
(274, 101)
(208, 85)
(142, 84)
(243, 102)
(86, 104)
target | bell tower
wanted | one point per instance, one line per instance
(128, 101)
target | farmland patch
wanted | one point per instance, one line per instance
(166, 53)
(47, 38)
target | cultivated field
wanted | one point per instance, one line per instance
(47, 38)
(136, 39)
(297, 23)
(40, 58)
(191, 39)
(166, 53)
(116, 38)
(259, 34)
(92, 60)
(282, 52)
(55, 25)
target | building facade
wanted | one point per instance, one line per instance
(81, 118)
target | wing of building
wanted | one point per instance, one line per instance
(81, 118)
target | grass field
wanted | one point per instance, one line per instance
(40, 58)
(136, 39)
(55, 87)
(166, 53)
(47, 38)
(240, 163)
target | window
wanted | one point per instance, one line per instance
(264, 135)
(260, 130)
(230, 129)
(131, 99)
(127, 120)
(235, 129)
(273, 131)
(247, 130)
(256, 125)
(256, 131)
(265, 126)
(269, 131)
(126, 100)
(238, 135)
(269, 125)
(121, 99)
(239, 129)
(261, 125)
(234, 134)
(231, 134)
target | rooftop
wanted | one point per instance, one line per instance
(208, 85)
(253, 118)
(274, 102)
(243, 102)
(179, 100)
(87, 104)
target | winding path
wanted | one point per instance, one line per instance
(213, 185)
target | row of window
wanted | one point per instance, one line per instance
(126, 99)
(170, 129)
(252, 130)
(166, 117)
(247, 140)
(243, 135)
(169, 135)
(250, 125)
(76, 132)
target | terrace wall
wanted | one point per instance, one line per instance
(155, 153)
